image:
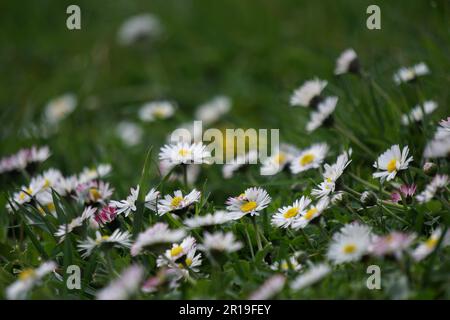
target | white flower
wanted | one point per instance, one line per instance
(151, 199)
(427, 247)
(408, 74)
(192, 172)
(288, 214)
(439, 146)
(157, 234)
(178, 201)
(59, 108)
(129, 132)
(350, 244)
(152, 111)
(116, 239)
(306, 95)
(219, 241)
(287, 265)
(181, 256)
(252, 201)
(417, 113)
(184, 153)
(324, 109)
(123, 287)
(138, 27)
(392, 161)
(270, 288)
(229, 169)
(96, 191)
(211, 111)
(309, 158)
(311, 276)
(347, 62)
(65, 229)
(219, 217)
(445, 124)
(313, 212)
(439, 182)
(277, 162)
(128, 205)
(28, 278)
(23, 158)
(89, 174)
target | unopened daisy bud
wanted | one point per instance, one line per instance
(368, 198)
(339, 198)
(430, 169)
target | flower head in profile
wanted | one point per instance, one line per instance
(28, 278)
(139, 27)
(439, 146)
(24, 158)
(270, 288)
(309, 158)
(251, 202)
(311, 276)
(427, 247)
(311, 213)
(347, 62)
(438, 183)
(350, 243)
(116, 239)
(289, 264)
(418, 112)
(59, 108)
(129, 204)
(279, 160)
(125, 286)
(65, 229)
(287, 215)
(395, 243)
(177, 202)
(409, 74)
(405, 191)
(323, 114)
(391, 162)
(156, 235)
(184, 153)
(219, 217)
(445, 124)
(105, 215)
(220, 242)
(151, 199)
(89, 174)
(308, 95)
(213, 110)
(153, 111)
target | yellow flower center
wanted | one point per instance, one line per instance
(50, 206)
(188, 262)
(46, 183)
(349, 248)
(26, 274)
(101, 239)
(248, 206)
(292, 212)
(280, 158)
(159, 113)
(392, 165)
(284, 265)
(307, 159)
(176, 202)
(432, 242)
(184, 152)
(175, 251)
(25, 193)
(95, 194)
(310, 213)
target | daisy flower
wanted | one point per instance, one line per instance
(125, 286)
(65, 229)
(181, 256)
(347, 62)
(240, 162)
(445, 124)
(405, 191)
(88, 174)
(177, 202)
(220, 241)
(309, 93)
(24, 158)
(427, 247)
(313, 212)
(151, 199)
(392, 161)
(28, 278)
(324, 111)
(93, 192)
(417, 113)
(184, 153)
(439, 146)
(438, 183)
(137, 28)
(116, 239)
(350, 244)
(251, 202)
(287, 265)
(211, 111)
(128, 205)
(278, 161)
(157, 234)
(309, 158)
(286, 216)
(59, 108)
(270, 288)
(156, 110)
(409, 74)
(106, 215)
(130, 133)
(314, 274)
(394, 244)
(219, 217)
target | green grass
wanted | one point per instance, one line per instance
(256, 52)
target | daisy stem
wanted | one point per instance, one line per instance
(355, 213)
(306, 238)
(185, 180)
(257, 232)
(394, 215)
(368, 184)
(352, 138)
(249, 242)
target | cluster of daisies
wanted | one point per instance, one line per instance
(183, 232)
